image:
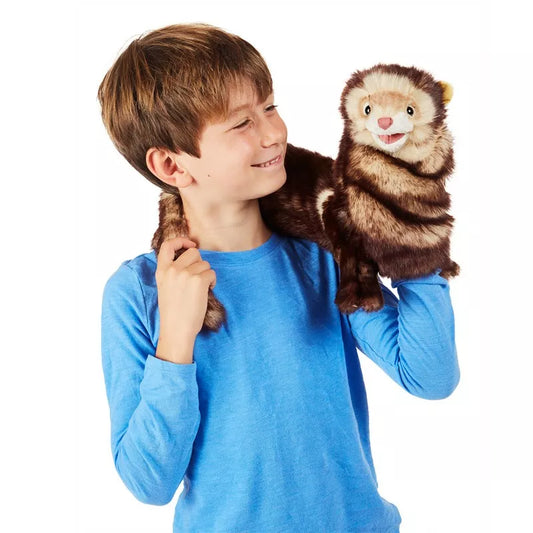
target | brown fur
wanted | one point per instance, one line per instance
(375, 211)
(389, 210)
(173, 223)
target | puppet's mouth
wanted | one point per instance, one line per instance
(389, 139)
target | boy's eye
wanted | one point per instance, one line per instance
(268, 108)
(242, 124)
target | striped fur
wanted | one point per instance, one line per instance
(388, 212)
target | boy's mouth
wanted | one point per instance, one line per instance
(268, 163)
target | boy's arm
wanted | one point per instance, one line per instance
(412, 339)
(153, 403)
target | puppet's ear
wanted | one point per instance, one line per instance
(447, 91)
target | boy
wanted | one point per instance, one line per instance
(267, 424)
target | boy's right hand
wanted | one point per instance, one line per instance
(182, 288)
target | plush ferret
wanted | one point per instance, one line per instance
(386, 208)
(381, 205)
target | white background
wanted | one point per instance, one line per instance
(73, 210)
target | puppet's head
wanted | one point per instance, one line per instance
(391, 107)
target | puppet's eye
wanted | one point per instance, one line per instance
(367, 110)
(410, 110)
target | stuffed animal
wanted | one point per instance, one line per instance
(386, 208)
(381, 205)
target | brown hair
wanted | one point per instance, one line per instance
(168, 84)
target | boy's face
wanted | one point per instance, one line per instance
(231, 151)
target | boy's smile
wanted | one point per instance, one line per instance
(276, 161)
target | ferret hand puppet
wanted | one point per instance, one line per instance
(381, 205)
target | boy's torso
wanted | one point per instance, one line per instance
(281, 396)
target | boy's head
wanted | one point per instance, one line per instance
(171, 91)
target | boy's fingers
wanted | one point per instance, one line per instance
(167, 251)
(204, 270)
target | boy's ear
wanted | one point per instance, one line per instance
(167, 167)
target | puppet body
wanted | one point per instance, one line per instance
(382, 203)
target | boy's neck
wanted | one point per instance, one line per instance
(240, 230)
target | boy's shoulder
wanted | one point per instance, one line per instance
(303, 244)
(142, 260)
(146, 262)
(310, 251)
(317, 263)
(141, 268)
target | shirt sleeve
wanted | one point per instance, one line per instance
(153, 403)
(412, 339)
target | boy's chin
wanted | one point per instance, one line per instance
(273, 184)
(277, 183)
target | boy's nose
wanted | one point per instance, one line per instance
(272, 133)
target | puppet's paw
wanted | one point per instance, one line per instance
(347, 299)
(372, 302)
(451, 270)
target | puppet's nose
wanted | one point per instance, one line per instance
(384, 122)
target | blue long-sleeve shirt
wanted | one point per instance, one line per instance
(268, 426)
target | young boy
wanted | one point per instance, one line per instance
(265, 420)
